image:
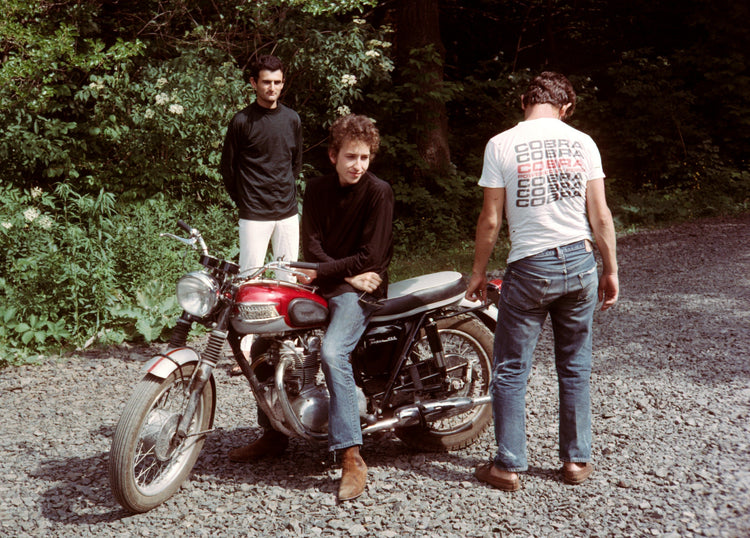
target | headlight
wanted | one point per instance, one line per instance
(197, 293)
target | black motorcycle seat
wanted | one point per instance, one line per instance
(425, 292)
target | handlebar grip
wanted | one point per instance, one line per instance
(182, 224)
(304, 265)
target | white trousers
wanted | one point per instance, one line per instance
(254, 238)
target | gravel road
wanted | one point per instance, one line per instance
(671, 401)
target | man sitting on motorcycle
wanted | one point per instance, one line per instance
(347, 230)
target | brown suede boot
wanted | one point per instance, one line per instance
(270, 444)
(353, 474)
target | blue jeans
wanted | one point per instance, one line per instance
(561, 282)
(348, 322)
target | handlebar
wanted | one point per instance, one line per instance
(282, 265)
(195, 237)
(304, 265)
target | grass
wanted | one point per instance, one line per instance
(410, 263)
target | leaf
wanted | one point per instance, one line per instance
(147, 330)
(9, 314)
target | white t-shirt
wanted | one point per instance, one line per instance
(544, 166)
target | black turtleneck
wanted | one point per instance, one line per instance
(348, 231)
(261, 159)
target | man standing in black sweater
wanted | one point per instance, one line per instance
(261, 159)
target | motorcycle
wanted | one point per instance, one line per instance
(422, 368)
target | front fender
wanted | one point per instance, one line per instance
(164, 364)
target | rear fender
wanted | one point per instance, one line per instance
(488, 315)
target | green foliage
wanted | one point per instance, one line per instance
(319, 7)
(34, 331)
(76, 271)
(334, 61)
(46, 59)
(433, 211)
(154, 311)
(164, 121)
(58, 277)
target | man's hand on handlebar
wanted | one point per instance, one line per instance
(307, 277)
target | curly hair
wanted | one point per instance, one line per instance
(552, 88)
(353, 127)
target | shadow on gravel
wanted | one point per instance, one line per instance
(81, 492)
(306, 467)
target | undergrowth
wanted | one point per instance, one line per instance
(83, 270)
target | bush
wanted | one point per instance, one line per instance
(81, 269)
(58, 275)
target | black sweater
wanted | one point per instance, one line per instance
(261, 159)
(348, 231)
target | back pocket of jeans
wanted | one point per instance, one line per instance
(589, 284)
(524, 292)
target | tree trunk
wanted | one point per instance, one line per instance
(418, 26)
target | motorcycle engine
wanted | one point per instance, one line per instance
(304, 382)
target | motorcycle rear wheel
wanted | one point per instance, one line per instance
(466, 341)
(145, 468)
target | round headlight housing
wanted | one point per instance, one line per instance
(197, 293)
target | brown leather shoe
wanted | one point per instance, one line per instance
(484, 474)
(353, 474)
(573, 475)
(269, 445)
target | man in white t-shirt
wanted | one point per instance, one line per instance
(548, 178)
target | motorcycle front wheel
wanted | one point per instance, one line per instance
(467, 346)
(147, 464)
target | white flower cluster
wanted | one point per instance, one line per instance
(343, 110)
(162, 99)
(358, 21)
(36, 192)
(176, 109)
(161, 82)
(149, 113)
(372, 54)
(377, 43)
(349, 80)
(98, 85)
(31, 214)
(45, 222)
(6, 225)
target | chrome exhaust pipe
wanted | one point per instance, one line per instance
(412, 415)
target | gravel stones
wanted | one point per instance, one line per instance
(671, 403)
